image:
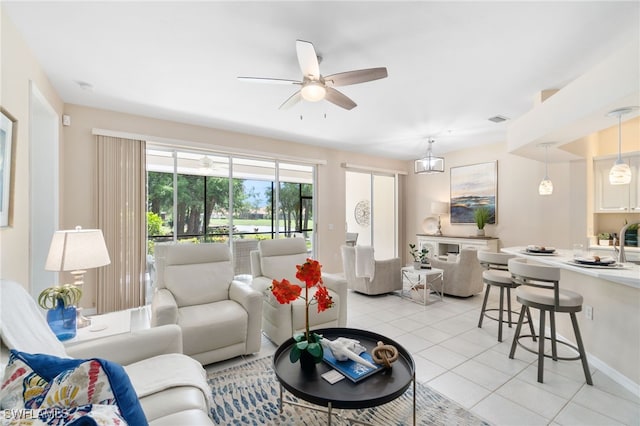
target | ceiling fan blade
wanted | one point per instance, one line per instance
(339, 99)
(293, 99)
(308, 59)
(355, 77)
(268, 80)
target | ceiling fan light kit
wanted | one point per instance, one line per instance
(429, 164)
(313, 91)
(315, 87)
(620, 173)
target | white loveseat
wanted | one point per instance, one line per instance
(220, 318)
(277, 259)
(171, 387)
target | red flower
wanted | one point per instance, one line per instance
(324, 300)
(284, 291)
(310, 272)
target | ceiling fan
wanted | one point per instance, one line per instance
(316, 87)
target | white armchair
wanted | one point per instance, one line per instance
(277, 259)
(462, 276)
(387, 276)
(220, 318)
(171, 387)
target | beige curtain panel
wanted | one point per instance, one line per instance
(121, 206)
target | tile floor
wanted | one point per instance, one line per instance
(470, 366)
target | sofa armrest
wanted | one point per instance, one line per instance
(127, 348)
(247, 296)
(251, 301)
(164, 309)
(261, 284)
(338, 284)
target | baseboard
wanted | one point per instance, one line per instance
(605, 368)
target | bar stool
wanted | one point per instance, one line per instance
(540, 289)
(496, 274)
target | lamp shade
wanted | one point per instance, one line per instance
(545, 187)
(439, 207)
(77, 249)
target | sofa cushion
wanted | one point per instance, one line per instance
(73, 386)
(199, 283)
(224, 322)
(280, 267)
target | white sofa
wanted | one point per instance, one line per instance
(277, 259)
(462, 276)
(387, 275)
(220, 318)
(171, 387)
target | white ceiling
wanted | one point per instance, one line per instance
(452, 65)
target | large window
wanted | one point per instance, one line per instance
(200, 196)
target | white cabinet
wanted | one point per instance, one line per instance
(442, 246)
(617, 198)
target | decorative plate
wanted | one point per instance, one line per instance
(430, 225)
(362, 213)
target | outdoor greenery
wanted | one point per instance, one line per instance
(203, 207)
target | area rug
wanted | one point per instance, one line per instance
(248, 394)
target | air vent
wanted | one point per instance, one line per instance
(498, 119)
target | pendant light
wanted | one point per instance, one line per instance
(620, 173)
(546, 186)
(430, 163)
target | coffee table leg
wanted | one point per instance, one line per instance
(329, 413)
(414, 399)
(281, 400)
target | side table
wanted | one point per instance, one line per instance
(113, 323)
(375, 390)
(423, 280)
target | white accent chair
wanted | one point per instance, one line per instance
(172, 388)
(277, 259)
(462, 276)
(387, 275)
(220, 318)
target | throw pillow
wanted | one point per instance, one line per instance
(46, 381)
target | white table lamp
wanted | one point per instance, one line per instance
(76, 251)
(439, 208)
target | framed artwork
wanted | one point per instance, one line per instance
(7, 138)
(471, 187)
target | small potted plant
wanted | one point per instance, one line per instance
(420, 257)
(61, 315)
(481, 215)
(604, 239)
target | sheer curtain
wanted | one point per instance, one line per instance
(121, 207)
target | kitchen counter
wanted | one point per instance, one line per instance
(628, 275)
(611, 332)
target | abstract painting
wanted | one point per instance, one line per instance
(471, 187)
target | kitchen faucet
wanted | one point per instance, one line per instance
(622, 257)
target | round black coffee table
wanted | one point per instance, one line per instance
(377, 389)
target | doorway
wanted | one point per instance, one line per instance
(372, 211)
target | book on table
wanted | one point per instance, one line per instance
(352, 370)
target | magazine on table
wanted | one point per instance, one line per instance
(351, 369)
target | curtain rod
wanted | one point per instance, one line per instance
(181, 143)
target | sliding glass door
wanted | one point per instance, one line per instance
(372, 212)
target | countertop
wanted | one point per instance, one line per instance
(628, 275)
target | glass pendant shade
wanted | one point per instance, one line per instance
(620, 173)
(546, 187)
(429, 164)
(313, 91)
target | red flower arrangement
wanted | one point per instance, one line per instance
(310, 274)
